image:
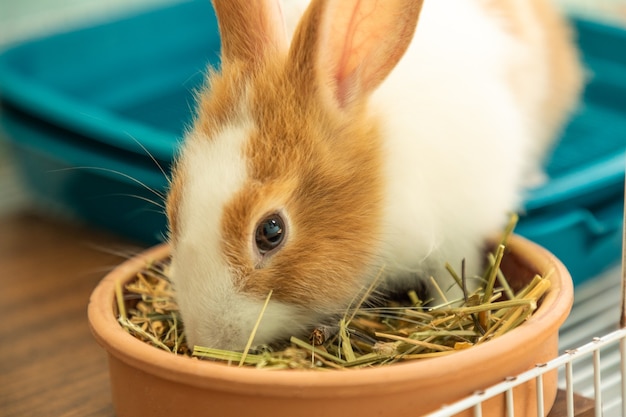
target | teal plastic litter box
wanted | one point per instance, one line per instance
(93, 116)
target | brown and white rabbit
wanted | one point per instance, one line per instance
(355, 145)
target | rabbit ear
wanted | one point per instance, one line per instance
(354, 44)
(249, 30)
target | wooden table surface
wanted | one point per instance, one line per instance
(49, 363)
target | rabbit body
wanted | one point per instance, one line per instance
(398, 169)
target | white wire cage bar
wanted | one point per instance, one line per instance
(563, 362)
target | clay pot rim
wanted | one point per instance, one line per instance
(119, 343)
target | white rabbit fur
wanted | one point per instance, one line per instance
(460, 144)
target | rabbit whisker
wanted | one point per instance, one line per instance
(142, 198)
(149, 154)
(113, 171)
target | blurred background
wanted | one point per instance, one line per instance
(24, 19)
(94, 96)
(21, 20)
(610, 11)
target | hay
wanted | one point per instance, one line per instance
(362, 337)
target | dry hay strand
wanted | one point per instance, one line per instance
(363, 336)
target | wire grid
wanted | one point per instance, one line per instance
(565, 363)
(593, 367)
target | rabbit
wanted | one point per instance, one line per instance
(341, 143)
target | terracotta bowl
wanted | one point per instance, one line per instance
(151, 382)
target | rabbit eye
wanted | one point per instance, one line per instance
(270, 233)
